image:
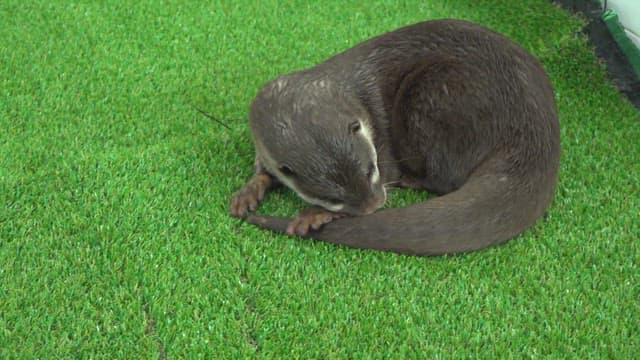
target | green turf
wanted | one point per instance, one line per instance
(114, 236)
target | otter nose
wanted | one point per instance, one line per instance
(375, 203)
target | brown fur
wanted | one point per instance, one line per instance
(455, 108)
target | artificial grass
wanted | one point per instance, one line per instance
(114, 236)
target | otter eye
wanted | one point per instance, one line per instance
(286, 170)
(354, 127)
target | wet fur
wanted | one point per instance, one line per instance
(454, 107)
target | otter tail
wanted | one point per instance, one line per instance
(489, 209)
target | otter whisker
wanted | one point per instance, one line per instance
(212, 118)
(391, 182)
(400, 160)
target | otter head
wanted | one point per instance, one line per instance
(319, 142)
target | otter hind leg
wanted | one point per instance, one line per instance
(435, 115)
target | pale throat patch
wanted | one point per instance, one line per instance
(268, 162)
(332, 207)
(310, 200)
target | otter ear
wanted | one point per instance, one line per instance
(354, 127)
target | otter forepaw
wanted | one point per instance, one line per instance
(248, 198)
(312, 218)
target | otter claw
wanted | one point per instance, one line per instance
(248, 198)
(310, 219)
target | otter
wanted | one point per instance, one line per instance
(446, 106)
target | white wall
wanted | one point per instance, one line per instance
(628, 12)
